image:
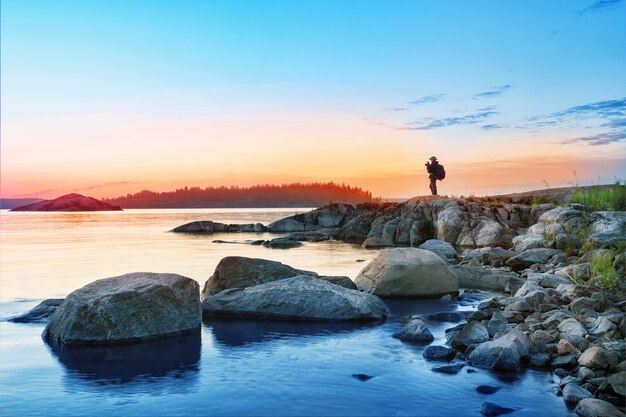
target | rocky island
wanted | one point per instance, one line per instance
(69, 202)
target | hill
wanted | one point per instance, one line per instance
(285, 195)
(11, 203)
(69, 202)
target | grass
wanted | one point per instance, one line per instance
(605, 267)
(611, 198)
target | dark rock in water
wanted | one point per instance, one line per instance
(203, 227)
(415, 331)
(242, 272)
(240, 242)
(487, 389)
(454, 368)
(128, 308)
(443, 353)
(447, 316)
(311, 236)
(470, 370)
(362, 377)
(491, 410)
(573, 394)
(41, 313)
(345, 282)
(449, 299)
(282, 243)
(69, 202)
(539, 359)
(301, 297)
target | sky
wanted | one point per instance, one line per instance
(112, 97)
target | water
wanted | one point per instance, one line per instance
(230, 368)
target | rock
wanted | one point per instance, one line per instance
(241, 272)
(487, 389)
(491, 410)
(127, 308)
(330, 216)
(473, 332)
(69, 202)
(529, 257)
(312, 236)
(486, 233)
(573, 394)
(504, 353)
(362, 377)
(345, 282)
(565, 362)
(243, 228)
(582, 303)
(442, 249)
(618, 382)
(522, 243)
(438, 353)
(489, 256)
(564, 347)
(585, 373)
(572, 327)
(415, 331)
(594, 358)
(298, 298)
(451, 369)
(518, 306)
(548, 280)
(376, 242)
(447, 316)
(600, 326)
(539, 360)
(282, 243)
(41, 313)
(592, 407)
(486, 278)
(407, 272)
(201, 227)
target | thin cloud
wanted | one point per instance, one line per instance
(493, 91)
(104, 184)
(601, 138)
(397, 109)
(469, 119)
(600, 5)
(433, 98)
(493, 126)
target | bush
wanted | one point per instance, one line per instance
(605, 267)
(612, 197)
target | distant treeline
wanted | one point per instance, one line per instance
(285, 195)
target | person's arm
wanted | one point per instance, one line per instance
(429, 168)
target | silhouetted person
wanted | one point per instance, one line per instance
(435, 172)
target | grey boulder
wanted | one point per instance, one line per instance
(502, 354)
(298, 298)
(442, 249)
(593, 407)
(415, 331)
(41, 313)
(127, 308)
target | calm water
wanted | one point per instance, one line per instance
(231, 367)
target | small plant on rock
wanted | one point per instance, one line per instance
(604, 266)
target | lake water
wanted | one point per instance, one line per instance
(233, 367)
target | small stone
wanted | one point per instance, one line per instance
(415, 331)
(438, 353)
(572, 394)
(564, 347)
(565, 361)
(594, 358)
(449, 369)
(487, 389)
(539, 360)
(362, 377)
(491, 410)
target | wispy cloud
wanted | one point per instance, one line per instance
(493, 91)
(102, 185)
(469, 119)
(433, 98)
(397, 108)
(601, 138)
(493, 126)
(600, 5)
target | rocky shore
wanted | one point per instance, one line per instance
(557, 272)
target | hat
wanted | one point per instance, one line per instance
(433, 158)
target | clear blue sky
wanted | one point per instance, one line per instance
(482, 74)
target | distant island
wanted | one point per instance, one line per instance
(285, 195)
(69, 202)
(11, 203)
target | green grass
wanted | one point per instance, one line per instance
(604, 266)
(611, 198)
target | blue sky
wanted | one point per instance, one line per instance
(440, 75)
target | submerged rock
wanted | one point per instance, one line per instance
(451, 369)
(487, 389)
(41, 313)
(415, 331)
(127, 308)
(362, 377)
(435, 353)
(297, 298)
(281, 243)
(491, 410)
(407, 272)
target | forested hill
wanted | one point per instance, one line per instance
(285, 195)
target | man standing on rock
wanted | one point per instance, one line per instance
(435, 172)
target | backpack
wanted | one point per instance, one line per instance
(441, 172)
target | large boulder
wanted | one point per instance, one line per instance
(573, 394)
(241, 272)
(127, 308)
(407, 272)
(442, 249)
(531, 256)
(593, 407)
(595, 357)
(486, 278)
(298, 298)
(471, 333)
(415, 331)
(502, 354)
(203, 227)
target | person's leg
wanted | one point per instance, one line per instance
(433, 186)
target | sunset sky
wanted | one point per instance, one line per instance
(110, 97)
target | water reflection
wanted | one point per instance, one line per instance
(238, 333)
(168, 365)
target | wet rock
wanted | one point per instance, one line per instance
(311, 236)
(242, 272)
(539, 360)
(488, 389)
(41, 313)
(491, 410)
(473, 332)
(297, 298)
(376, 242)
(565, 362)
(572, 327)
(564, 347)
(618, 382)
(201, 227)
(362, 377)
(415, 331)
(345, 282)
(486, 278)
(594, 358)
(127, 308)
(585, 373)
(447, 316)
(442, 249)
(438, 353)
(592, 407)
(573, 394)
(282, 243)
(451, 369)
(407, 272)
(497, 325)
(504, 353)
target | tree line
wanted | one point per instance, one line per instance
(313, 194)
